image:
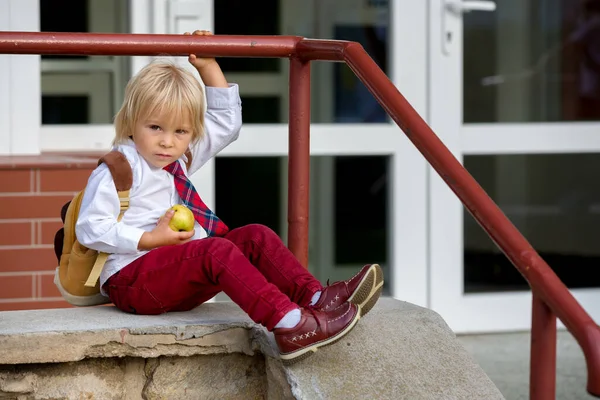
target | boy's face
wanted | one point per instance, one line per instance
(161, 139)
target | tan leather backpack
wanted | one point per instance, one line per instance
(79, 267)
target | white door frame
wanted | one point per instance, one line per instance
(19, 83)
(493, 311)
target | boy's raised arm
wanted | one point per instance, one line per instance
(223, 119)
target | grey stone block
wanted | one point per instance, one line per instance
(397, 351)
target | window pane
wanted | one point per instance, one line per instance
(261, 109)
(550, 200)
(337, 95)
(61, 89)
(247, 191)
(65, 110)
(63, 16)
(100, 80)
(348, 218)
(248, 19)
(353, 101)
(532, 61)
(360, 208)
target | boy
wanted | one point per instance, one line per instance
(167, 130)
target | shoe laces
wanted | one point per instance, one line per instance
(313, 311)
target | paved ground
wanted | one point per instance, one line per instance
(505, 358)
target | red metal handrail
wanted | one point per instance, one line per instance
(551, 297)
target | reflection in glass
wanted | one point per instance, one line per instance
(247, 191)
(248, 19)
(360, 207)
(554, 202)
(353, 101)
(66, 109)
(532, 61)
(367, 24)
(337, 95)
(99, 80)
(53, 18)
(73, 97)
(261, 109)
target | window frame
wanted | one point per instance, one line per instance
(19, 117)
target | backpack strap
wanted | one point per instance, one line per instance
(92, 279)
(120, 169)
(122, 174)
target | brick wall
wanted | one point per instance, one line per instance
(32, 192)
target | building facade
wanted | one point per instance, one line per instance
(511, 87)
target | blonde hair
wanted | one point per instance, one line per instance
(164, 88)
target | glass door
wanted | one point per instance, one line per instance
(344, 185)
(82, 89)
(515, 95)
(350, 171)
(344, 178)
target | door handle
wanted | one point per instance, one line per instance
(452, 17)
(465, 6)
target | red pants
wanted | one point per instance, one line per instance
(250, 264)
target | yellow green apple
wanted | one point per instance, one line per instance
(183, 218)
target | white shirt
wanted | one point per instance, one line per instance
(153, 191)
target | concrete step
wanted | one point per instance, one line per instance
(397, 351)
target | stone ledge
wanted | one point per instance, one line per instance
(398, 351)
(64, 335)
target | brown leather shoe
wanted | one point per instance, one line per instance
(316, 329)
(363, 289)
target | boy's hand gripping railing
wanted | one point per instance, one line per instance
(550, 296)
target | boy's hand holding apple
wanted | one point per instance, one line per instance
(182, 219)
(175, 227)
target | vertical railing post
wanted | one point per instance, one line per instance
(542, 371)
(299, 159)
